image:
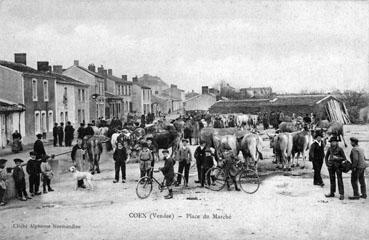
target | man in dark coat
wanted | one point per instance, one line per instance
(61, 134)
(55, 134)
(89, 131)
(81, 131)
(69, 132)
(19, 180)
(199, 156)
(38, 147)
(33, 169)
(316, 156)
(168, 172)
(333, 159)
(358, 169)
(120, 158)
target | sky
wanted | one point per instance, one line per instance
(288, 45)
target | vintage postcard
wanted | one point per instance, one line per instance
(184, 119)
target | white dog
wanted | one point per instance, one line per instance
(86, 176)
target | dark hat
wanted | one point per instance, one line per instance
(333, 139)
(185, 140)
(318, 134)
(38, 135)
(32, 153)
(2, 161)
(144, 144)
(354, 139)
(165, 151)
(18, 160)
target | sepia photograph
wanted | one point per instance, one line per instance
(184, 119)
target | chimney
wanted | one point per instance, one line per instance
(43, 66)
(76, 63)
(104, 72)
(20, 58)
(205, 90)
(100, 69)
(173, 86)
(91, 67)
(135, 79)
(49, 69)
(110, 72)
(124, 77)
(58, 69)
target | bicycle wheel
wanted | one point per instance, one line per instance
(179, 182)
(215, 179)
(249, 181)
(144, 187)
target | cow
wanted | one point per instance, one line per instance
(282, 147)
(242, 120)
(332, 128)
(251, 147)
(166, 139)
(287, 127)
(301, 143)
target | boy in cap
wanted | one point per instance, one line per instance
(333, 159)
(20, 181)
(184, 157)
(200, 157)
(229, 165)
(206, 163)
(358, 168)
(47, 175)
(145, 157)
(168, 172)
(33, 169)
(120, 158)
(316, 156)
(3, 177)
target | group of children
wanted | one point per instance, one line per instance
(37, 169)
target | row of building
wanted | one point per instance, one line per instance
(32, 100)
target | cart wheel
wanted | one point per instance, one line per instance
(249, 181)
(144, 187)
(215, 179)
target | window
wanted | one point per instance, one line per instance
(83, 96)
(80, 95)
(37, 122)
(79, 117)
(43, 122)
(61, 117)
(66, 116)
(51, 120)
(83, 115)
(65, 96)
(129, 90)
(34, 89)
(46, 91)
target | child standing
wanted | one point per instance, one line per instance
(47, 175)
(206, 164)
(168, 172)
(20, 181)
(145, 160)
(3, 177)
(34, 170)
(120, 158)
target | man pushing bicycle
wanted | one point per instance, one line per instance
(168, 172)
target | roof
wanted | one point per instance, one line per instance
(200, 95)
(22, 68)
(110, 95)
(309, 100)
(161, 99)
(141, 85)
(67, 80)
(88, 71)
(119, 80)
(8, 106)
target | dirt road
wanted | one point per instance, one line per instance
(285, 207)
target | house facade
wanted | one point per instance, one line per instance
(141, 98)
(11, 115)
(96, 88)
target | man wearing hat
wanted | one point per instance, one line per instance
(200, 157)
(153, 147)
(229, 164)
(19, 180)
(206, 163)
(33, 169)
(184, 158)
(333, 159)
(357, 158)
(89, 131)
(38, 147)
(3, 177)
(316, 156)
(145, 157)
(168, 172)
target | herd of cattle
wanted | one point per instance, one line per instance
(289, 142)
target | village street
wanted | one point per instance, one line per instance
(286, 206)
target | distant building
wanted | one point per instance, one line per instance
(200, 102)
(96, 87)
(255, 92)
(191, 94)
(35, 90)
(154, 83)
(176, 96)
(166, 105)
(141, 97)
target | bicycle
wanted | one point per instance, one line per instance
(145, 184)
(247, 178)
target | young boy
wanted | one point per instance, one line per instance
(206, 164)
(47, 174)
(145, 160)
(3, 177)
(184, 157)
(120, 158)
(20, 181)
(33, 169)
(168, 172)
